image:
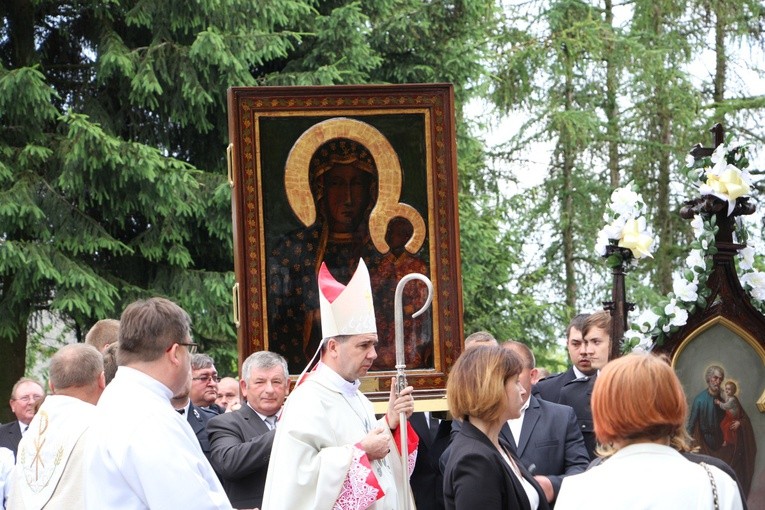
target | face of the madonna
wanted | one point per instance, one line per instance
(266, 389)
(515, 397)
(353, 358)
(346, 191)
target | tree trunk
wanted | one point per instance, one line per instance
(720, 62)
(567, 205)
(13, 352)
(612, 121)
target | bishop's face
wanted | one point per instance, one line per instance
(353, 357)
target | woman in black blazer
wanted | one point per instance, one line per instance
(483, 392)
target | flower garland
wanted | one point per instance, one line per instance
(625, 227)
(724, 176)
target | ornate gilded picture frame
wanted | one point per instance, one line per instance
(335, 174)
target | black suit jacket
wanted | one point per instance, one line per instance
(549, 387)
(426, 480)
(476, 476)
(10, 435)
(240, 450)
(577, 394)
(198, 419)
(550, 441)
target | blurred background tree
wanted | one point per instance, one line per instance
(113, 133)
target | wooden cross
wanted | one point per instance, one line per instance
(697, 151)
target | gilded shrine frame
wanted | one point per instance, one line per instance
(280, 219)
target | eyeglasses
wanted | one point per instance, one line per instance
(27, 398)
(191, 346)
(206, 378)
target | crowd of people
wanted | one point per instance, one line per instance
(135, 418)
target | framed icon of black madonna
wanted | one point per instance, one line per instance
(334, 175)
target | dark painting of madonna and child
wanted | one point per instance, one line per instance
(336, 179)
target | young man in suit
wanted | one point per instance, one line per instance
(549, 387)
(24, 396)
(241, 440)
(596, 338)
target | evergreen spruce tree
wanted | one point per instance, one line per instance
(113, 133)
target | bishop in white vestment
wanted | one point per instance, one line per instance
(330, 452)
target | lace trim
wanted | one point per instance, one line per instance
(360, 488)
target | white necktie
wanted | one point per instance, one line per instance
(271, 422)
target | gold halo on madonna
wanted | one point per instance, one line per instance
(297, 178)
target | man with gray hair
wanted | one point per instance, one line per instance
(141, 453)
(49, 465)
(241, 440)
(204, 384)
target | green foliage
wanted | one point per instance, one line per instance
(113, 132)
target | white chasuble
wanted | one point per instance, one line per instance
(316, 461)
(46, 450)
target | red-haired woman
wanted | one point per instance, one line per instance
(483, 392)
(639, 407)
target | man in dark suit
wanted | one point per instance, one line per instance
(427, 481)
(204, 385)
(546, 436)
(549, 387)
(241, 440)
(196, 417)
(24, 397)
(596, 338)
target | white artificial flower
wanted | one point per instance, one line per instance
(644, 343)
(719, 153)
(625, 202)
(684, 290)
(696, 259)
(689, 161)
(698, 226)
(647, 320)
(755, 280)
(705, 244)
(601, 242)
(679, 316)
(746, 260)
(614, 229)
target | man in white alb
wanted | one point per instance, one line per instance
(141, 453)
(330, 451)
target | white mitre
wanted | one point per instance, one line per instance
(346, 309)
